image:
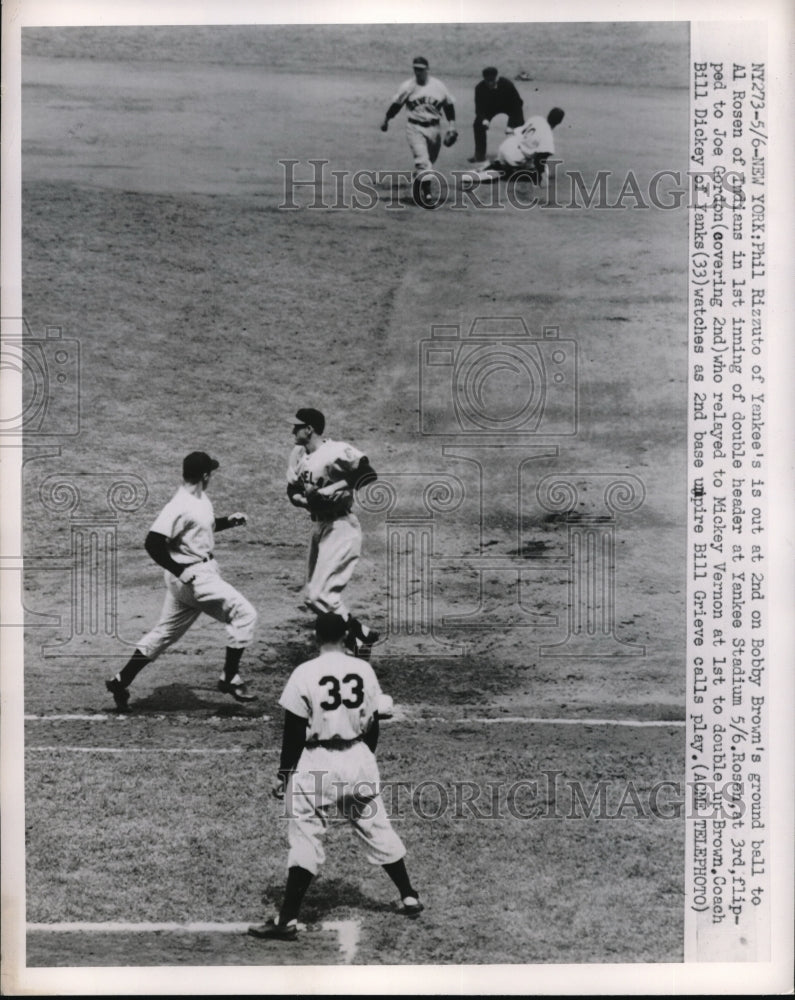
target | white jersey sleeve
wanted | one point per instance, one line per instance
(342, 460)
(293, 465)
(171, 519)
(404, 90)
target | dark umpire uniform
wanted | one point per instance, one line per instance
(494, 95)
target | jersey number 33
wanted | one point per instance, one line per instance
(349, 693)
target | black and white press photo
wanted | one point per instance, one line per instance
(387, 426)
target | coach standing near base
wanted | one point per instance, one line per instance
(332, 706)
(494, 95)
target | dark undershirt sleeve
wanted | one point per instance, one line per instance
(293, 740)
(156, 546)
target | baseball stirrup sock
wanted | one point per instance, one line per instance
(298, 880)
(233, 657)
(132, 668)
(396, 870)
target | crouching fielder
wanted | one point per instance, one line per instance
(328, 768)
(181, 541)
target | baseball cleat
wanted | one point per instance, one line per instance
(121, 695)
(238, 690)
(410, 906)
(275, 931)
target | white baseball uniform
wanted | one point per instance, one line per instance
(424, 103)
(188, 521)
(338, 695)
(336, 541)
(535, 136)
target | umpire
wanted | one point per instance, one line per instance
(494, 95)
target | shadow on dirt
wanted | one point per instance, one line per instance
(181, 698)
(326, 895)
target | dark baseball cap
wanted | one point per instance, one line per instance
(195, 465)
(490, 73)
(330, 627)
(420, 62)
(312, 418)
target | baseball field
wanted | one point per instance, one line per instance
(534, 765)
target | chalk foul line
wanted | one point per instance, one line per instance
(399, 717)
(348, 931)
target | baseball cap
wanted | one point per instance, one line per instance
(330, 627)
(196, 464)
(490, 73)
(312, 418)
(421, 62)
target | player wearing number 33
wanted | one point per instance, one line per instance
(322, 476)
(328, 768)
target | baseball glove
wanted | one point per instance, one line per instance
(451, 137)
(322, 504)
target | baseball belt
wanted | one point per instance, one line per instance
(414, 121)
(337, 743)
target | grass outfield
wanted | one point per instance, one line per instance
(206, 315)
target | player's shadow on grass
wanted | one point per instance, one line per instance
(184, 698)
(326, 896)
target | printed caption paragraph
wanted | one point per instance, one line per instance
(727, 871)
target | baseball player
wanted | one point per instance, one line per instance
(526, 150)
(494, 95)
(322, 476)
(426, 99)
(332, 705)
(181, 541)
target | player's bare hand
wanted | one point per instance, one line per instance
(485, 123)
(384, 126)
(279, 789)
